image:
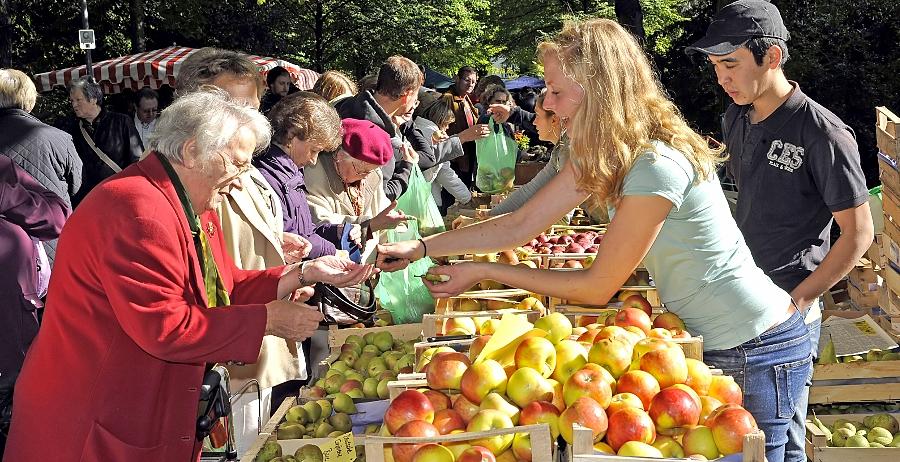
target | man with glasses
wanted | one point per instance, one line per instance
(465, 116)
(146, 109)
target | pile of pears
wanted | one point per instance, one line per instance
(828, 356)
(875, 431)
(273, 452)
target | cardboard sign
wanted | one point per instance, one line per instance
(340, 449)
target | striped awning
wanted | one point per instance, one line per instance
(154, 69)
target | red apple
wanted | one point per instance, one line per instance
(417, 428)
(729, 427)
(629, 424)
(537, 353)
(588, 381)
(699, 440)
(408, 406)
(668, 366)
(588, 336)
(477, 345)
(482, 378)
(699, 376)
(670, 321)
(433, 453)
(659, 332)
(585, 320)
(438, 399)
(447, 420)
(541, 412)
(639, 383)
(490, 419)
(476, 454)
(639, 302)
(673, 408)
(587, 413)
(620, 401)
(465, 408)
(724, 389)
(445, 370)
(633, 317)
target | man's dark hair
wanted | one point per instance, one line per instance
(760, 46)
(466, 70)
(276, 72)
(89, 88)
(145, 93)
(398, 76)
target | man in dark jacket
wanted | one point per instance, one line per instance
(106, 141)
(390, 106)
(46, 153)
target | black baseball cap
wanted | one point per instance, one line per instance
(737, 23)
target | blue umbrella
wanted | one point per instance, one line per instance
(524, 81)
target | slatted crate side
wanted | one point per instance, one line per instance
(862, 298)
(541, 444)
(648, 292)
(888, 300)
(817, 449)
(336, 337)
(433, 324)
(583, 449)
(461, 346)
(886, 132)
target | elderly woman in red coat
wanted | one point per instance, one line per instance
(143, 295)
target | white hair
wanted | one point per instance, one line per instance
(211, 118)
(16, 90)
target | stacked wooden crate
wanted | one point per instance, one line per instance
(888, 137)
(865, 286)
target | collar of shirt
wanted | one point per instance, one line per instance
(783, 114)
(139, 124)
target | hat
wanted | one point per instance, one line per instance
(737, 23)
(367, 142)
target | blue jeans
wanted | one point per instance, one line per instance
(797, 432)
(772, 370)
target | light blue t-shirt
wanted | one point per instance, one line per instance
(702, 268)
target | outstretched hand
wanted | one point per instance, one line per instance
(337, 271)
(387, 218)
(398, 255)
(462, 277)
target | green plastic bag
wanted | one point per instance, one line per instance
(496, 155)
(417, 201)
(402, 292)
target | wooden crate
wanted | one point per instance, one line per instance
(648, 292)
(433, 324)
(860, 381)
(888, 301)
(862, 298)
(486, 299)
(817, 449)
(866, 275)
(461, 346)
(876, 251)
(541, 444)
(582, 449)
(886, 132)
(336, 337)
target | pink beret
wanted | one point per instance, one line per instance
(367, 142)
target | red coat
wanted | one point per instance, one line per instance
(114, 372)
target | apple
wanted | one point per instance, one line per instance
(668, 365)
(615, 332)
(428, 354)
(497, 402)
(633, 317)
(640, 383)
(490, 419)
(445, 371)
(433, 453)
(537, 353)
(639, 449)
(476, 454)
(457, 447)
(527, 385)
(417, 428)
(462, 323)
(699, 376)
(673, 408)
(644, 346)
(408, 406)
(588, 381)
(629, 424)
(708, 404)
(465, 408)
(639, 302)
(350, 385)
(585, 320)
(439, 400)
(624, 294)
(668, 446)
(521, 446)
(613, 354)
(724, 389)
(587, 413)
(669, 321)
(447, 420)
(570, 356)
(482, 378)
(729, 427)
(477, 345)
(620, 401)
(489, 326)
(557, 326)
(699, 440)
(538, 412)
(659, 332)
(603, 448)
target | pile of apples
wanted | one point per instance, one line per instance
(568, 242)
(485, 325)
(638, 395)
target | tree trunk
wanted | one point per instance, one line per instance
(138, 40)
(631, 16)
(5, 35)
(319, 31)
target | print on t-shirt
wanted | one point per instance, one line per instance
(789, 159)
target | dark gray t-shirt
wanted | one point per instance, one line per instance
(793, 170)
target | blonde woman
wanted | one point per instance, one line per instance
(632, 151)
(335, 86)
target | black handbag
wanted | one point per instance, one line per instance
(348, 305)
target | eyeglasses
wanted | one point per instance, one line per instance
(362, 173)
(241, 169)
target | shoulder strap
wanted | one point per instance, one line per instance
(90, 141)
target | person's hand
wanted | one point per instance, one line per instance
(409, 154)
(462, 221)
(474, 132)
(397, 256)
(500, 111)
(337, 271)
(303, 294)
(295, 247)
(462, 277)
(355, 235)
(289, 320)
(439, 136)
(387, 218)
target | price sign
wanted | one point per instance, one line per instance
(340, 449)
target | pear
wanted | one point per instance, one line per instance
(875, 444)
(344, 403)
(885, 421)
(827, 356)
(325, 428)
(840, 436)
(268, 452)
(313, 410)
(383, 340)
(297, 414)
(369, 337)
(356, 393)
(844, 423)
(879, 435)
(874, 354)
(341, 422)
(340, 365)
(309, 453)
(857, 441)
(290, 431)
(335, 434)
(326, 407)
(895, 443)
(356, 340)
(382, 389)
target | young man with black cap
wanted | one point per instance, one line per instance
(796, 165)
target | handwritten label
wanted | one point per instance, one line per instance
(340, 449)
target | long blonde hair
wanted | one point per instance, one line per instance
(623, 111)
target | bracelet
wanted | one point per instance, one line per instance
(424, 248)
(303, 282)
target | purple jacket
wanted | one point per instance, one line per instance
(286, 180)
(27, 211)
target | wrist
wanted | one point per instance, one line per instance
(424, 248)
(302, 278)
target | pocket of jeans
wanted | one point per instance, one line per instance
(790, 379)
